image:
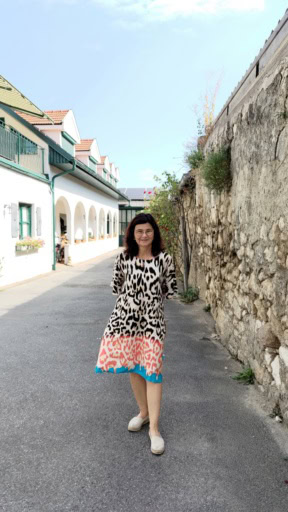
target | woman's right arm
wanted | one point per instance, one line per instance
(118, 275)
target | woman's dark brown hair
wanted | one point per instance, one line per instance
(131, 246)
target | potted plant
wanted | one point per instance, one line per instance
(29, 243)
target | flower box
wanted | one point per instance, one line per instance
(29, 244)
(25, 248)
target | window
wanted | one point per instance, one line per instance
(92, 165)
(257, 69)
(25, 227)
(67, 143)
(108, 224)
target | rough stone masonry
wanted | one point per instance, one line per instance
(240, 237)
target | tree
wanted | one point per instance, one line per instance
(167, 207)
(164, 209)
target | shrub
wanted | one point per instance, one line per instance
(246, 376)
(207, 308)
(191, 295)
(216, 170)
(195, 159)
(282, 115)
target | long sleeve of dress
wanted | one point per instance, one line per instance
(169, 283)
(118, 276)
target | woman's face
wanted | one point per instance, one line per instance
(144, 235)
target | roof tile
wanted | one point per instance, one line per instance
(56, 115)
(85, 145)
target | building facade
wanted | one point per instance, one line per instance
(52, 183)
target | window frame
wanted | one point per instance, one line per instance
(21, 222)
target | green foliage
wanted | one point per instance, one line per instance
(191, 295)
(164, 208)
(207, 308)
(282, 115)
(216, 170)
(246, 376)
(194, 159)
(276, 412)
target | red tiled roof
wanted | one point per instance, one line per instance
(103, 159)
(33, 119)
(84, 145)
(56, 115)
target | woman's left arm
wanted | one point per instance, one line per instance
(169, 285)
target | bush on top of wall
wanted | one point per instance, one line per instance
(194, 159)
(216, 169)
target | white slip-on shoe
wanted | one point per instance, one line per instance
(157, 444)
(137, 423)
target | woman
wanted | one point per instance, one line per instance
(133, 339)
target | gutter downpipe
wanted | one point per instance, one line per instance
(53, 209)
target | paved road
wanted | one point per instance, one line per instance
(64, 439)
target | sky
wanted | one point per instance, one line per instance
(133, 71)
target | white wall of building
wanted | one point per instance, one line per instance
(81, 210)
(55, 135)
(95, 151)
(83, 157)
(69, 126)
(79, 202)
(16, 188)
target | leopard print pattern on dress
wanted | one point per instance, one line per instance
(134, 336)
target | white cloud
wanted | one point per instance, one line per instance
(153, 10)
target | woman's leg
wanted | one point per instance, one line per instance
(154, 395)
(138, 385)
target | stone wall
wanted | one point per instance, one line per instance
(240, 247)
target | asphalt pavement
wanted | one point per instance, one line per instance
(64, 440)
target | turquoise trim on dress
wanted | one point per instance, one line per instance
(157, 379)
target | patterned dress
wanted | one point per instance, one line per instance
(134, 336)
